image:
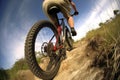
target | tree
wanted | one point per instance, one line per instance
(116, 12)
(101, 24)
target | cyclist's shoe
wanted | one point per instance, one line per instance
(74, 33)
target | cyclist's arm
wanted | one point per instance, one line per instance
(73, 5)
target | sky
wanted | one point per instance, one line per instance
(18, 16)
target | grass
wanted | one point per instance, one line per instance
(105, 43)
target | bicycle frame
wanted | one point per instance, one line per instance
(61, 34)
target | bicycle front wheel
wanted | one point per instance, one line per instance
(38, 50)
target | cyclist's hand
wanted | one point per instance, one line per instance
(76, 13)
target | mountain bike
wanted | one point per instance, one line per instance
(46, 46)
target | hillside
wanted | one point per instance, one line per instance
(78, 66)
(95, 57)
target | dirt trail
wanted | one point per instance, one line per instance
(77, 66)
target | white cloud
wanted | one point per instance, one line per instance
(100, 13)
(18, 49)
(14, 34)
(17, 38)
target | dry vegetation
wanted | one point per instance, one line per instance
(104, 47)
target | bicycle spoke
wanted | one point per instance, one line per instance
(52, 38)
(39, 53)
(45, 36)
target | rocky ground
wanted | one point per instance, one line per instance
(77, 66)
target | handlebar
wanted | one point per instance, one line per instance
(74, 14)
(71, 15)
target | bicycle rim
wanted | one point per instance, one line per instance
(41, 59)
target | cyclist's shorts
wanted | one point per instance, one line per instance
(64, 6)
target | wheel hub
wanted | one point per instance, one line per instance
(47, 49)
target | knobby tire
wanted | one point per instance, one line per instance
(30, 51)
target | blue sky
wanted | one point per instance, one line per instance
(17, 17)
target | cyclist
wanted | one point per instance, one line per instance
(65, 7)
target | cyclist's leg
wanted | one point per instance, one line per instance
(70, 20)
(53, 19)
